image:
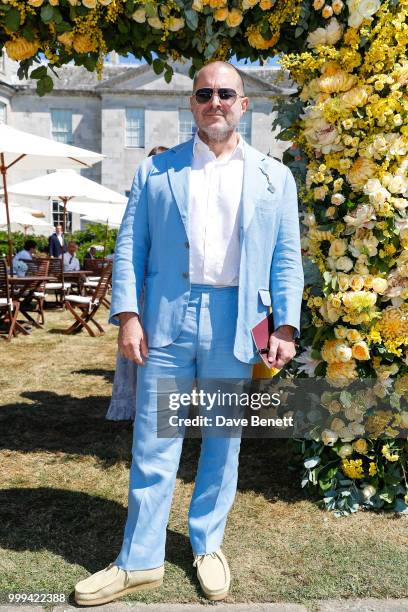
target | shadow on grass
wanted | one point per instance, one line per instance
(82, 529)
(108, 375)
(77, 426)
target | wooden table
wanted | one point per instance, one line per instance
(22, 289)
(78, 277)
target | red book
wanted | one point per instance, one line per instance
(260, 334)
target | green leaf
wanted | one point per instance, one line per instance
(158, 66)
(12, 19)
(191, 19)
(298, 32)
(39, 72)
(47, 13)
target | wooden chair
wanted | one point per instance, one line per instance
(59, 286)
(96, 266)
(39, 267)
(84, 308)
(9, 308)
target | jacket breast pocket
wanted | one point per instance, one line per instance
(265, 296)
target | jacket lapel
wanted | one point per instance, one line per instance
(178, 171)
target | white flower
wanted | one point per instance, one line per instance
(309, 364)
(344, 263)
(139, 15)
(362, 216)
(360, 10)
(343, 352)
(329, 35)
(399, 203)
(337, 199)
(329, 437)
(398, 184)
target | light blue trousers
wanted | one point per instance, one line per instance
(203, 350)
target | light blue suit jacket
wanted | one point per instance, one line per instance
(152, 249)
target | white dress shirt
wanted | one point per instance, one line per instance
(214, 215)
(71, 263)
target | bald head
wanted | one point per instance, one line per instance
(220, 67)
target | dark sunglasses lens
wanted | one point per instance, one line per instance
(203, 95)
(227, 94)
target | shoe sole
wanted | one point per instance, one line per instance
(217, 597)
(139, 587)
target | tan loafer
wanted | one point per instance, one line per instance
(114, 582)
(213, 574)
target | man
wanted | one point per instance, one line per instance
(211, 236)
(71, 263)
(56, 242)
(26, 253)
(91, 253)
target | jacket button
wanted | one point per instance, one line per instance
(185, 275)
(187, 245)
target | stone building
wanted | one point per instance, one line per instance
(123, 116)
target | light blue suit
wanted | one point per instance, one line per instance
(152, 248)
(196, 331)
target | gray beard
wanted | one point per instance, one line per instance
(218, 134)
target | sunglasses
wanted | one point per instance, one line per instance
(225, 94)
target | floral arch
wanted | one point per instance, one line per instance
(349, 134)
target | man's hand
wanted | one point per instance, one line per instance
(132, 339)
(281, 346)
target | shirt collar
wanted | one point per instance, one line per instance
(200, 147)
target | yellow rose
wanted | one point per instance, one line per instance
(66, 38)
(20, 48)
(155, 23)
(343, 281)
(360, 351)
(176, 23)
(343, 353)
(89, 3)
(353, 335)
(82, 43)
(247, 4)
(331, 211)
(356, 282)
(340, 374)
(234, 18)
(35, 2)
(105, 2)
(266, 4)
(337, 6)
(337, 424)
(221, 14)
(318, 4)
(54, 2)
(257, 41)
(197, 5)
(340, 332)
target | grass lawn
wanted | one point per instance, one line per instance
(64, 478)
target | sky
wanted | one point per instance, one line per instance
(130, 59)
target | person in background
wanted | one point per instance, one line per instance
(56, 242)
(26, 253)
(71, 263)
(91, 253)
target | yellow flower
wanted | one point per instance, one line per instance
(353, 468)
(175, 24)
(357, 96)
(387, 453)
(379, 285)
(372, 469)
(66, 39)
(197, 5)
(359, 301)
(20, 48)
(318, 4)
(337, 6)
(234, 18)
(360, 351)
(360, 446)
(83, 43)
(356, 282)
(339, 81)
(266, 5)
(393, 324)
(340, 374)
(359, 173)
(89, 4)
(155, 23)
(221, 14)
(139, 15)
(353, 335)
(257, 41)
(246, 4)
(35, 2)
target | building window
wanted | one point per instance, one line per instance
(3, 116)
(58, 215)
(245, 125)
(3, 63)
(61, 125)
(135, 128)
(187, 126)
